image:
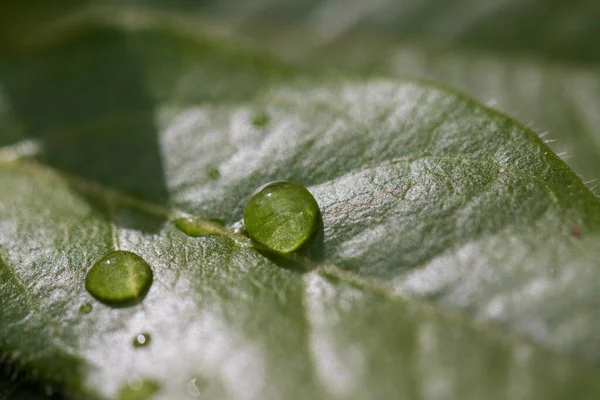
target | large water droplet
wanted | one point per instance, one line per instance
(282, 216)
(138, 388)
(142, 340)
(194, 226)
(119, 279)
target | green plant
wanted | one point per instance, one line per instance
(461, 253)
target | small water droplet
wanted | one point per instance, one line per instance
(196, 386)
(282, 216)
(142, 340)
(86, 307)
(138, 388)
(119, 279)
(260, 120)
(194, 226)
(238, 227)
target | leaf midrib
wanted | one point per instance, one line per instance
(328, 270)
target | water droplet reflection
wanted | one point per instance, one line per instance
(138, 388)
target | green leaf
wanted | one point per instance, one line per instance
(460, 252)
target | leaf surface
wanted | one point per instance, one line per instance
(451, 267)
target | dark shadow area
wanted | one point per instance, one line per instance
(17, 382)
(85, 101)
(11, 389)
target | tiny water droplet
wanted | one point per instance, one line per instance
(282, 216)
(142, 340)
(196, 386)
(86, 308)
(119, 279)
(260, 120)
(194, 226)
(138, 388)
(239, 228)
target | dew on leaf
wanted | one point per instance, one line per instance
(194, 226)
(142, 340)
(196, 386)
(119, 279)
(86, 308)
(138, 388)
(282, 216)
